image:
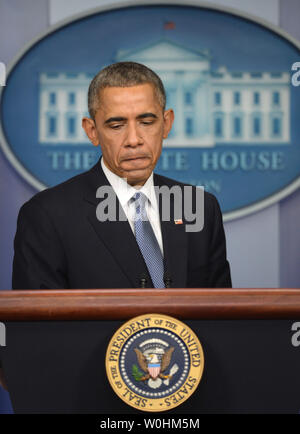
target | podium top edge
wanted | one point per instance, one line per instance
(122, 304)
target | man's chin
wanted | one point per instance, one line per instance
(137, 176)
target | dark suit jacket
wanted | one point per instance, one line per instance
(60, 243)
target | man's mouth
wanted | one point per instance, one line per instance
(137, 157)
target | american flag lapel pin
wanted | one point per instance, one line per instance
(178, 222)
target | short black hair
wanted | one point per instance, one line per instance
(123, 74)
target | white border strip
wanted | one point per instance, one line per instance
(131, 3)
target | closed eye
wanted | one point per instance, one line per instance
(147, 118)
(116, 126)
(147, 122)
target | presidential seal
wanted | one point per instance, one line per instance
(154, 362)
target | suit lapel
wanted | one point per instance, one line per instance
(174, 243)
(116, 235)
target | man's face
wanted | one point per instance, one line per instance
(130, 126)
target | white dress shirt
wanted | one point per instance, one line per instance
(125, 193)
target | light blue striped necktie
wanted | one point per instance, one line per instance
(147, 242)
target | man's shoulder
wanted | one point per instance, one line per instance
(169, 182)
(161, 180)
(63, 194)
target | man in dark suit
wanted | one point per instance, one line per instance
(62, 241)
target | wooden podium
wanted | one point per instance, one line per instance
(54, 358)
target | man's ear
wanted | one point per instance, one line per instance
(89, 127)
(168, 122)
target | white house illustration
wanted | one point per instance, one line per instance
(212, 107)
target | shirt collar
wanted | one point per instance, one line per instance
(124, 191)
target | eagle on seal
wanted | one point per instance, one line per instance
(154, 368)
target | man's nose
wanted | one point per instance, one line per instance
(133, 136)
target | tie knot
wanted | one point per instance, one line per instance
(140, 200)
